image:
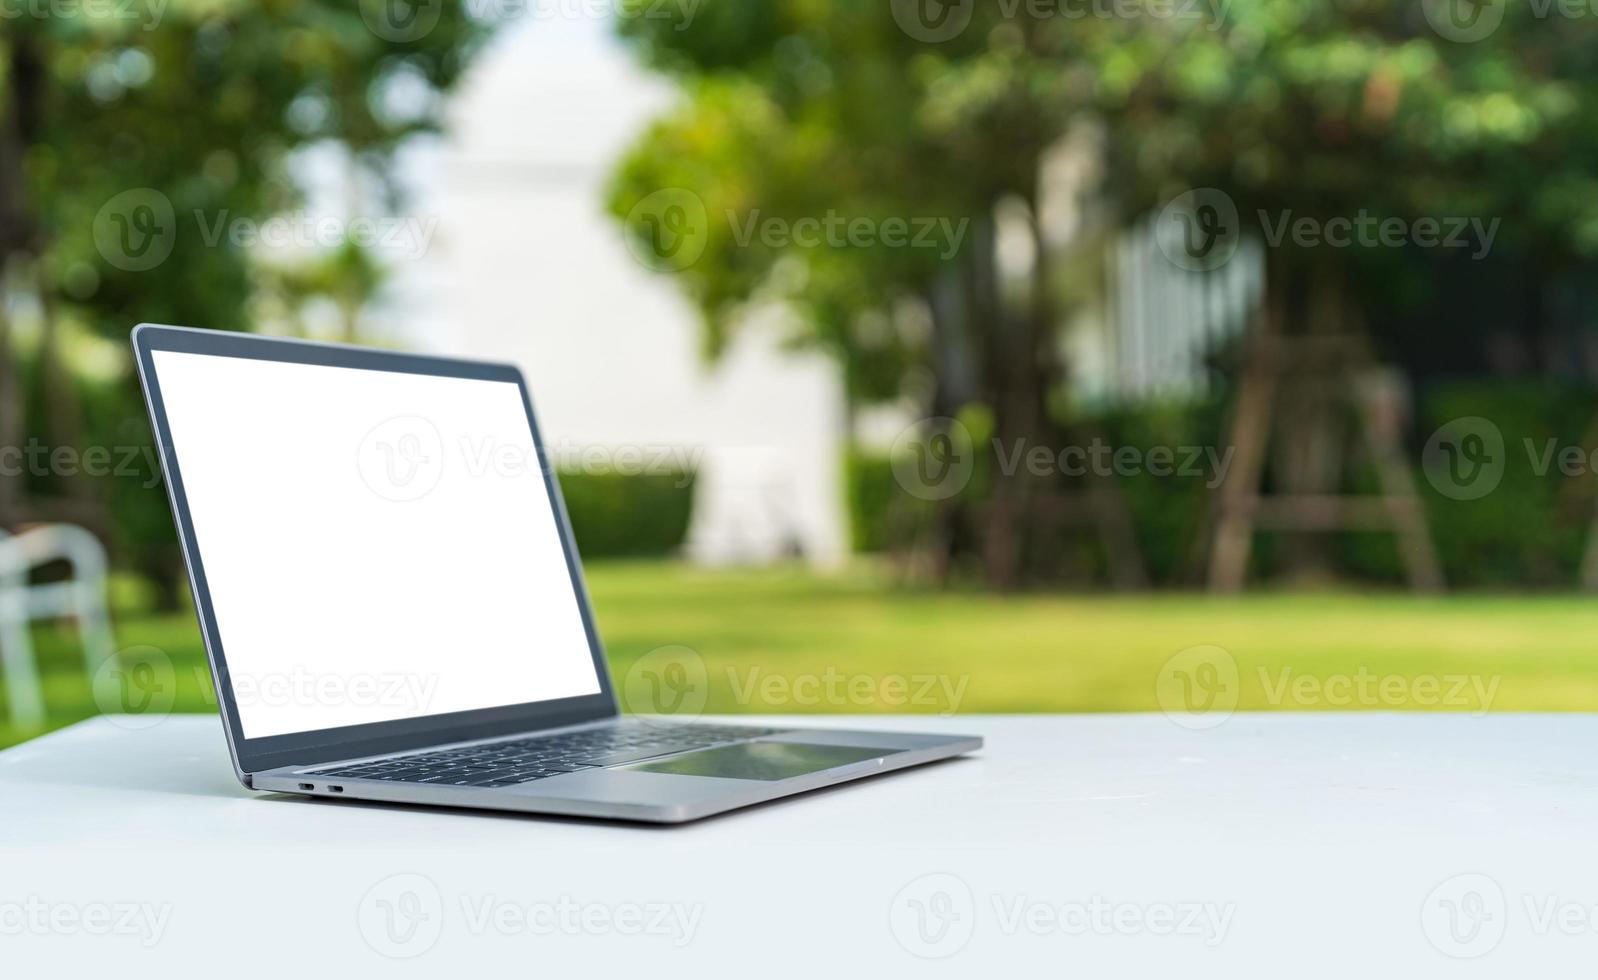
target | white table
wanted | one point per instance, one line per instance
(1275, 845)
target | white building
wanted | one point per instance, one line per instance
(526, 266)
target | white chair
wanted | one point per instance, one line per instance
(81, 597)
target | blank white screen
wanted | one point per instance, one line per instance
(378, 545)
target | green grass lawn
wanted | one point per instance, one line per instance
(787, 641)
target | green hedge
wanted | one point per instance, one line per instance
(1533, 529)
(633, 516)
(1531, 532)
(871, 494)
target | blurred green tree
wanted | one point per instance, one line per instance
(129, 133)
(1291, 109)
(831, 111)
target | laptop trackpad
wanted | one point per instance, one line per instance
(761, 760)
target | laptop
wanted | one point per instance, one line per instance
(393, 606)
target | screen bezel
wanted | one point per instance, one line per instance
(252, 755)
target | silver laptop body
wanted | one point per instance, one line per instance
(393, 607)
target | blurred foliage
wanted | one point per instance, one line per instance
(205, 108)
(1531, 531)
(798, 111)
(871, 494)
(1316, 108)
(628, 515)
(204, 102)
(1293, 108)
(1327, 108)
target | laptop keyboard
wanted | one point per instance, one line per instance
(527, 759)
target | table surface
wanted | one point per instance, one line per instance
(1281, 844)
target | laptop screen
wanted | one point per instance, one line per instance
(379, 546)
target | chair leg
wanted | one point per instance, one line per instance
(16, 656)
(94, 629)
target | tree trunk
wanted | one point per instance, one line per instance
(19, 126)
(956, 322)
(11, 428)
(62, 412)
(1021, 366)
(1313, 432)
